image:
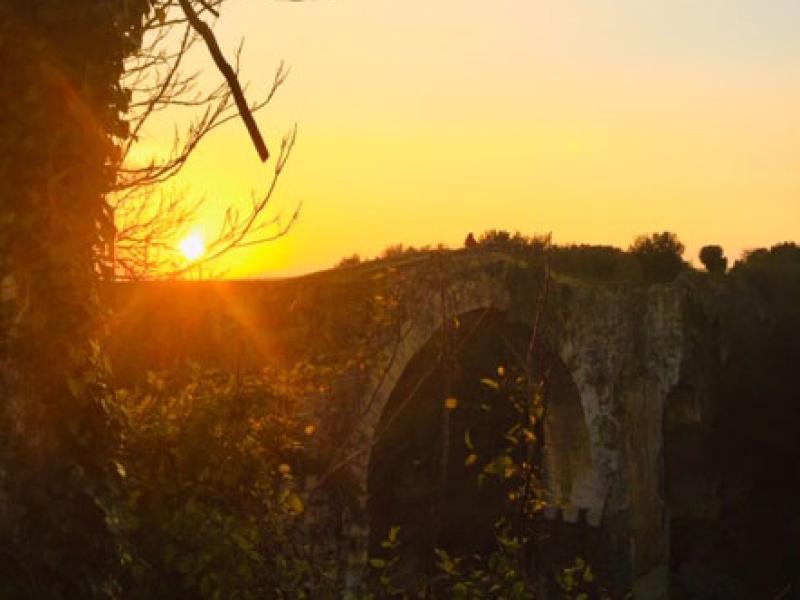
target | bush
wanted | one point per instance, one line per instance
(659, 255)
(210, 505)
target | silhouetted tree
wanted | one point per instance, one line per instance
(469, 241)
(659, 255)
(61, 106)
(68, 114)
(494, 238)
(350, 261)
(713, 259)
(500, 239)
(783, 255)
(594, 262)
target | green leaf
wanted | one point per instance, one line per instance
(490, 383)
(468, 440)
(460, 589)
(377, 563)
(393, 533)
(446, 564)
(293, 503)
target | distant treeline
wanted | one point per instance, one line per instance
(653, 258)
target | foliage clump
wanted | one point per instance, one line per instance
(212, 502)
(713, 259)
(61, 108)
(660, 256)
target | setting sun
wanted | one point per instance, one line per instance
(192, 246)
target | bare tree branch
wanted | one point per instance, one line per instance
(230, 76)
(149, 220)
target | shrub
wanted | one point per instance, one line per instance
(210, 504)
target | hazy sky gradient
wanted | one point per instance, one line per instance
(420, 121)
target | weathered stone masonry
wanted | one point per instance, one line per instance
(623, 348)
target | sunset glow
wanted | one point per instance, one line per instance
(419, 122)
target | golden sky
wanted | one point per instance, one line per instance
(598, 120)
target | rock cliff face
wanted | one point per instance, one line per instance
(634, 364)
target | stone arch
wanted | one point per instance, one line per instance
(569, 531)
(463, 295)
(567, 459)
(621, 347)
(405, 470)
(460, 298)
(574, 485)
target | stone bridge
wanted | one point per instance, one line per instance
(622, 346)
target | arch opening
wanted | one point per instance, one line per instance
(422, 474)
